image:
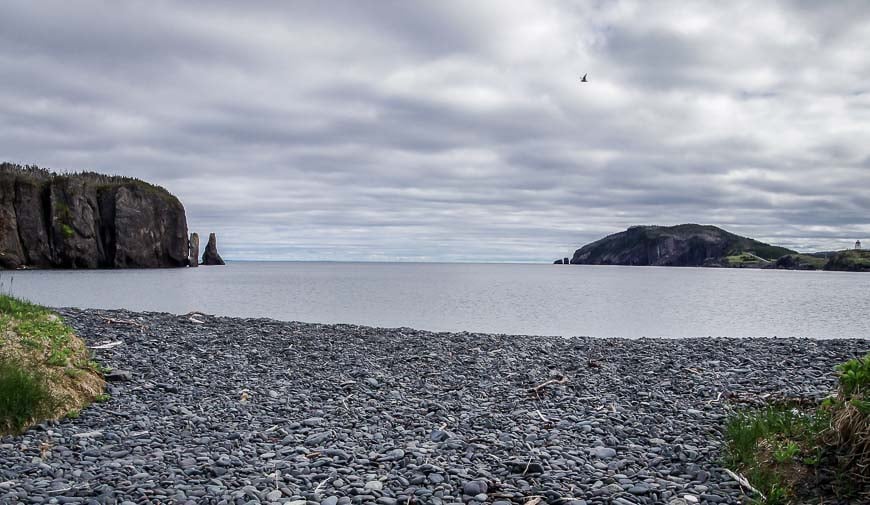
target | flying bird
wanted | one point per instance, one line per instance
(584, 78)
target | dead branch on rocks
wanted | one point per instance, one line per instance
(107, 345)
(109, 320)
(744, 483)
(537, 389)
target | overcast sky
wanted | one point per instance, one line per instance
(454, 131)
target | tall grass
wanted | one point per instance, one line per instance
(24, 397)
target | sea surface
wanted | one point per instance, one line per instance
(528, 299)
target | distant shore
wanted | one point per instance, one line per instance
(282, 412)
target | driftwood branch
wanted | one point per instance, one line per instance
(537, 389)
(744, 483)
(107, 345)
(110, 320)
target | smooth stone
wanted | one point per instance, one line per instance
(603, 452)
(474, 487)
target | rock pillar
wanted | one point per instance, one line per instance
(193, 250)
(211, 256)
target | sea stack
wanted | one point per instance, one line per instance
(193, 250)
(211, 256)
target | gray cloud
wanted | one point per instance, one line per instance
(453, 131)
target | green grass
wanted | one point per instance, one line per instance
(24, 397)
(45, 370)
(806, 259)
(782, 449)
(774, 446)
(744, 260)
(37, 327)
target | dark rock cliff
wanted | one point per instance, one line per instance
(87, 220)
(682, 245)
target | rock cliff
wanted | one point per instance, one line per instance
(682, 245)
(87, 220)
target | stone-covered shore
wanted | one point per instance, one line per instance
(225, 410)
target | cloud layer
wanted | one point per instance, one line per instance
(454, 131)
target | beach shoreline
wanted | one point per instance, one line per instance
(232, 410)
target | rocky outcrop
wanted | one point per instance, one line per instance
(193, 250)
(87, 220)
(211, 256)
(851, 260)
(682, 245)
(798, 262)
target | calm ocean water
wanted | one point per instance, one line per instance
(497, 298)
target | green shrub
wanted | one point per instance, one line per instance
(854, 376)
(24, 396)
(850, 428)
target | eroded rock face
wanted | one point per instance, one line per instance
(211, 256)
(154, 233)
(87, 221)
(10, 247)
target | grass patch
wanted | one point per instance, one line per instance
(775, 448)
(24, 395)
(744, 260)
(796, 454)
(811, 261)
(45, 370)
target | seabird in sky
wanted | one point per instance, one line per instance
(584, 78)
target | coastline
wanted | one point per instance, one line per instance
(240, 410)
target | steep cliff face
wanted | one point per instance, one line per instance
(87, 221)
(682, 245)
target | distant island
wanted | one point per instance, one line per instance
(91, 220)
(708, 246)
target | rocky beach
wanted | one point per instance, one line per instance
(208, 409)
